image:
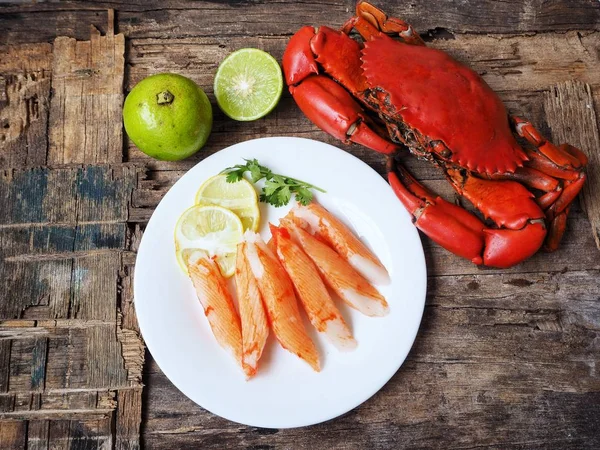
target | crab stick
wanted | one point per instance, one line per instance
(311, 291)
(280, 301)
(255, 328)
(330, 229)
(211, 289)
(351, 287)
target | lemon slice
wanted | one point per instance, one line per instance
(239, 197)
(213, 229)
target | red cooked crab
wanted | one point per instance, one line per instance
(444, 112)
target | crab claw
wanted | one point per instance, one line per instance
(461, 232)
(505, 248)
(451, 226)
(298, 60)
(326, 103)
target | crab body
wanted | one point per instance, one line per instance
(390, 94)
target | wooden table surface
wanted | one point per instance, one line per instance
(503, 359)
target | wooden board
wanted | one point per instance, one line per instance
(87, 83)
(24, 102)
(70, 352)
(503, 359)
(39, 22)
(572, 117)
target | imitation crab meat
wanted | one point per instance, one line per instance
(390, 92)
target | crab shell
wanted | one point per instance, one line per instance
(424, 88)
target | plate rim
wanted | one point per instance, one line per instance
(332, 414)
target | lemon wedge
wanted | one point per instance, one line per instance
(239, 197)
(213, 229)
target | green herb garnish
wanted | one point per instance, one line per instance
(278, 189)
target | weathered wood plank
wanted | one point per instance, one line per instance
(85, 114)
(63, 234)
(37, 434)
(91, 194)
(128, 333)
(572, 118)
(128, 421)
(89, 433)
(425, 405)
(104, 360)
(13, 435)
(58, 434)
(61, 260)
(177, 18)
(25, 72)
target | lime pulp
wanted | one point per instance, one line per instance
(248, 84)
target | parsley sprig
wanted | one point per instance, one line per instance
(278, 188)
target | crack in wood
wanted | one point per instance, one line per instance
(64, 255)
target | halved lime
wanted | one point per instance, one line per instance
(248, 84)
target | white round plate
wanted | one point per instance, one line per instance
(286, 392)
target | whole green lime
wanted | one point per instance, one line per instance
(168, 116)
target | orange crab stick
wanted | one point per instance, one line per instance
(280, 302)
(219, 309)
(352, 288)
(311, 291)
(255, 328)
(331, 230)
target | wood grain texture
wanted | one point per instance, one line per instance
(85, 114)
(24, 102)
(572, 117)
(69, 342)
(42, 22)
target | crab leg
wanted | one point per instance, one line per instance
(558, 155)
(564, 162)
(369, 21)
(530, 177)
(454, 228)
(556, 231)
(539, 162)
